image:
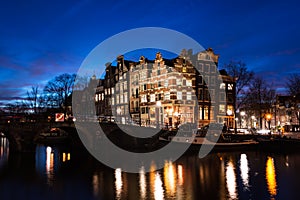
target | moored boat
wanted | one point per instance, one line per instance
(52, 136)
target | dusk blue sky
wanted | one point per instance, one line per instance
(42, 39)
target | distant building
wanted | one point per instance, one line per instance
(167, 92)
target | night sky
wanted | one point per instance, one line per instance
(42, 39)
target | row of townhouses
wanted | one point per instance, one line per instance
(166, 92)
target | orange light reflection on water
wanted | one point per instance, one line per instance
(271, 177)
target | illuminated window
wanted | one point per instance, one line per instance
(179, 95)
(230, 86)
(188, 82)
(152, 97)
(222, 86)
(221, 108)
(121, 98)
(167, 96)
(183, 69)
(166, 83)
(188, 96)
(143, 98)
(125, 97)
(178, 82)
(112, 101)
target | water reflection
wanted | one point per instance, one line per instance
(231, 180)
(142, 181)
(118, 182)
(271, 177)
(158, 187)
(4, 150)
(170, 178)
(244, 168)
(49, 165)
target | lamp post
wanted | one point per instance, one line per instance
(268, 118)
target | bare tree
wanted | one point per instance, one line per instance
(58, 90)
(259, 98)
(33, 99)
(243, 77)
(293, 86)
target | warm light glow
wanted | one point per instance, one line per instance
(242, 113)
(229, 112)
(271, 176)
(158, 103)
(143, 185)
(180, 175)
(118, 182)
(231, 180)
(49, 164)
(66, 156)
(268, 116)
(244, 170)
(119, 111)
(170, 178)
(96, 184)
(158, 188)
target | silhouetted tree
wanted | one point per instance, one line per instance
(293, 86)
(33, 99)
(243, 77)
(259, 98)
(58, 90)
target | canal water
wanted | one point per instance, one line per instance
(57, 173)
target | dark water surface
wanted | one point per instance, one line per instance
(58, 173)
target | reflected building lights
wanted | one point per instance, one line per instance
(49, 165)
(118, 182)
(271, 177)
(158, 187)
(231, 180)
(143, 185)
(169, 178)
(180, 175)
(66, 157)
(244, 170)
(96, 184)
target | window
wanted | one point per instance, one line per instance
(112, 101)
(222, 86)
(96, 98)
(200, 67)
(124, 76)
(222, 108)
(188, 96)
(212, 68)
(179, 95)
(212, 80)
(125, 97)
(178, 82)
(125, 86)
(230, 86)
(117, 99)
(206, 69)
(184, 69)
(152, 97)
(121, 98)
(112, 90)
(188, 82)
(167, 96)
(144, 98)
(166, 83)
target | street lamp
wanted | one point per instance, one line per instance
(268, 118)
